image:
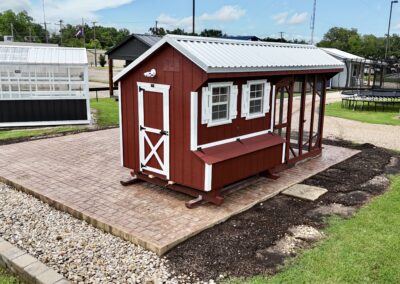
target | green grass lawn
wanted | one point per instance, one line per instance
(27, 133)
(106, 113)
(5, 278)
(378, 117)
(363, 249)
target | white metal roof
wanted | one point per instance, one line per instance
(42, 55)
(342, 54)
(220, 55)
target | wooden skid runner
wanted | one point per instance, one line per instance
(214, 196)
(200, 196)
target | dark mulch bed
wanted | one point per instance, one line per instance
(233, 247)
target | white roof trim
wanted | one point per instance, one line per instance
(342, 54)
(220, 55)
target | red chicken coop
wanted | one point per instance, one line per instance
(199, 114)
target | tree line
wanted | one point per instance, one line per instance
(23, 27)
(367, 46)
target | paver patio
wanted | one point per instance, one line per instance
(80, 174)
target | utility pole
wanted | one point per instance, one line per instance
(83, 33)
(61, 35)
(312, 25)
(194, 17)
(45, 24)
(281, 36)
(12, 30)
(387, 50)
(95, 45)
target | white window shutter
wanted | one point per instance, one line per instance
(267, 92)
(205, 105)
(245, 100)
(233, 102)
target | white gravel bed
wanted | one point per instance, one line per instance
(77, 250)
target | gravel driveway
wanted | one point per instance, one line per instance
(386, 136)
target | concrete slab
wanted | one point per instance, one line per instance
(80, 174)
(304, 191)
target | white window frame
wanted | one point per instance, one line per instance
(265, 105)
(207, 103)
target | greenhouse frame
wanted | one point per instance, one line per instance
(41, 85)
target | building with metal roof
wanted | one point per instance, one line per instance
(220, 55)
(199, 114)
(352, 75)
(128, 50)
(51, 82)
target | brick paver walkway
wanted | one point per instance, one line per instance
(80, 174)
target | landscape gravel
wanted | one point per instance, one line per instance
(82, 253)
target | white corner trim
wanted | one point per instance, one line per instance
(207, 177)
(121, 142)
(193, 120)
(283, 153)
(273, 108)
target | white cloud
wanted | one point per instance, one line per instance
(298, 18)
(397, 27)
(15, 5)
(224, 14)
(169, 21)
(286, 18)
(280, 18)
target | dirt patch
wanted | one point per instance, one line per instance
(259, 240)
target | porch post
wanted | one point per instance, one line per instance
(110, 76)
(322, 111)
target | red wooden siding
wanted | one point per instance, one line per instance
(183, 76)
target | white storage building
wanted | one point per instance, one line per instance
(42, 85)
(352, 75)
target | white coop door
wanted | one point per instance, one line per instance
(153, 111)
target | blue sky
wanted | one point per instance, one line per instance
(235, 17)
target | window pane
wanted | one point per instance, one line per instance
(255, 106)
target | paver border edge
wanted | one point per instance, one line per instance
(26, 267)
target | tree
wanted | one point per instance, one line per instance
(102, 60)
(212, 33)
(341, 38)
(24, 29)
(157, 31)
